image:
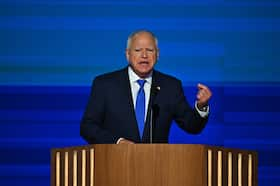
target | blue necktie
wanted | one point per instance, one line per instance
(140, 106)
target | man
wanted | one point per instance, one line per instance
(121, 102)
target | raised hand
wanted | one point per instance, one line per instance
(203, 95)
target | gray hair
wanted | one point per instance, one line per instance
(130, 37)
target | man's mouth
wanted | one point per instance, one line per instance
(143, 62)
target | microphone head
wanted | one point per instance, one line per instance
(155, 90)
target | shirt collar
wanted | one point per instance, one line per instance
(133, 77)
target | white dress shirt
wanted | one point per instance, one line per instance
(133, 77)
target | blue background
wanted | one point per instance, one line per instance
(50, 50)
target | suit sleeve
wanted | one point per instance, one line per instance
(92, 121)
(185, 116)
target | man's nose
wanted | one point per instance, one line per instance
(144, 54)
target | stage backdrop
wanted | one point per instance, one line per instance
(50, 51)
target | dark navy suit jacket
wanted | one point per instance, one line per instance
(110, 114)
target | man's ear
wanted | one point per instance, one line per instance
(127, 54)
(157, 54)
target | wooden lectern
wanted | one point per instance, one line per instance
(153, 165)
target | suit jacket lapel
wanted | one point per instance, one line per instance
(131, 112)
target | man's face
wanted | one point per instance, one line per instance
(142, 54)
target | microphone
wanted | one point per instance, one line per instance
(154, 92)
(154, 109)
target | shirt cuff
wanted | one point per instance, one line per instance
(119, 140)
(205, 111)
